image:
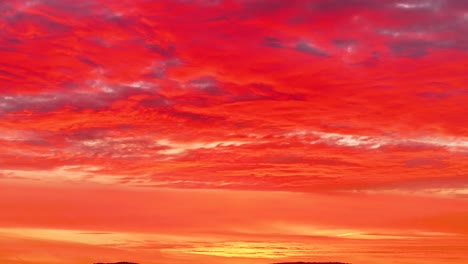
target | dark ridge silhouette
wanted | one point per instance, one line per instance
(311, 263)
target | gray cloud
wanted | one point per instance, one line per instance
(343, 43)
(167, 52)
(446, 93)
(272, 42)
(304, 47)
(414, 48)
(47, 26)
(410, 48)
(77, 99)
(335, 5)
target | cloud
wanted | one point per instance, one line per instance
(272, 42)
(251, 125)
(82, 97)
(305, 47)
(419, 48)
(336, 5)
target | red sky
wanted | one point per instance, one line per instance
(233, 132)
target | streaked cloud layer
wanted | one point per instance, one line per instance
(233, 131)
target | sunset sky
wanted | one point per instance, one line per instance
(233, 132)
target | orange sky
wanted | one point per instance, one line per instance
(233, 132)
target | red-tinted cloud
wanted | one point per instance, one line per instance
(323, 97)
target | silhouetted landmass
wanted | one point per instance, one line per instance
(311, 263)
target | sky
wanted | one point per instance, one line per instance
(233, 132)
